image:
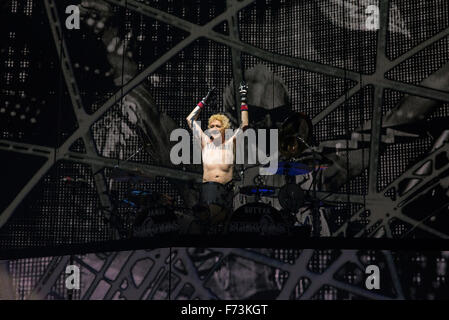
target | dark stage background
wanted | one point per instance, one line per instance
(383, 93)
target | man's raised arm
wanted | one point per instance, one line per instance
(191, 118)
(243, 105)
(243, 89)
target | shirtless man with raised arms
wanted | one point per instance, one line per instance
(218, 154)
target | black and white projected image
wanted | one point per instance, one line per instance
(347, 99)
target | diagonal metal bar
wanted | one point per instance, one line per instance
(295, 272)
(92, 160)
(27, 148)
(411, 172)
(286, 60)
(201, 31)
(148, 170)
(378, 207)
(78, 108)
(52, 273)
(144, 74)
(391, 64)
(91, 119)
(195, 280)
(66, 66)
(334, 105)
(328, 277)
(376, 120)
(394, 273)
(339, 197)
(234, 33)
(6, 214)
(421, 226)
(7, 288)
(244, 47)
(299, 269)
(84, 127)
(414, 90)
(100, 274)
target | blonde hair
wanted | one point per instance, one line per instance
(222, 118)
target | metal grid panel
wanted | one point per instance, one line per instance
(221, 273)
(419, 22)
(270, 19)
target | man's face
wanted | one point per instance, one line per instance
(216, 129)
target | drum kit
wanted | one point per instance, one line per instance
(156, 213)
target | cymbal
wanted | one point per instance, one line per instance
(291, 168)
(260, 190)
(295, 135)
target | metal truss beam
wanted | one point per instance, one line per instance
(206, 31)
(47, 281)
(7, 288)
(193, 276)
(148, 170)
(334, 105)
(297, 63)
(6, 214)
(300, 269)
(123, 91)
(75, 97)
(377, 210)
(383, 209)
(442, 34)
(233, 24)
(96, 160)
(339, 197)
(88, 120)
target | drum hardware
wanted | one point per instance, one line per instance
(259, 180)
(263, 219)
(258, 218)
(259, 191)
(155, 220)
(266, 191)
(145, 210)
(291, 197)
